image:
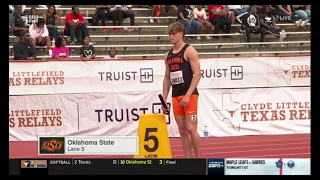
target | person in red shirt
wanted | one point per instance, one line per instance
(75, 26)
(218, 17)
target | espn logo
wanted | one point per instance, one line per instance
(51, 145)
(215, 165)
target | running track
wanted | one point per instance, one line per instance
(266, 146)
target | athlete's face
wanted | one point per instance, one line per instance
(175, 37)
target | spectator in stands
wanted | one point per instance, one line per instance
(32, 17)
(121, 12)
(230, 15)
(112, 54)
(75, 26)
(156, 11)
(173, 7)
(185, 17)
(273, 9)
(200, 15)
(246, 8)
(60, 51)
(304, 12)
(284, 10)
(218, 18)
(251, 23)
(23, 10)
(103, 13)
(39, 35)
(16, 22)
(267, 21)
(237, 9)
(11, 9)
(258, 7)
(23, 49)
(50, 19)
(47, 6)
(87, 51)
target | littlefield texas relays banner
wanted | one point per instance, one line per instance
(102, 98)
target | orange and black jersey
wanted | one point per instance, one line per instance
(180, 72)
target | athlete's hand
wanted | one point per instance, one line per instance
(185, 101)
(165, 110)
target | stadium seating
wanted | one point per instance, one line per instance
(151, 40)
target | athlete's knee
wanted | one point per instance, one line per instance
(183, 131)
(192, 129)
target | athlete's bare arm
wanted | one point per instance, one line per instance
(166, 80)
(193, 58)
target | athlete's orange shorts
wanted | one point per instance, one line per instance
(191, 109)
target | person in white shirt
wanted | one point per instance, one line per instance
(39, 34)
(112, 54)
(200, 15)
(230, 15)
(11, 9)
(238, 11)
(122, 12)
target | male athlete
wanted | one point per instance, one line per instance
(183, 73)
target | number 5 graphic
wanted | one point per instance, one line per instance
(153, 138)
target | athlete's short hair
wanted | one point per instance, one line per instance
(176, 27)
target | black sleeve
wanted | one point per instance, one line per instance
(82, 51)
(181, 9)
(244, 20)
(93, 50)
(17, 51)
(258, 21)
(32, 51)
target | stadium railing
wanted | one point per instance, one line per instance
(301, 43)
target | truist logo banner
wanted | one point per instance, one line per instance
(118, 115)
(144, 75)
(234, 72)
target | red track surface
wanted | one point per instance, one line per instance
(270, 146)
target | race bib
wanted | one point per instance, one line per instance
(176, 77)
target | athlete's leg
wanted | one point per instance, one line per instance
(191, 120)
(178, 112)
(185, 136)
